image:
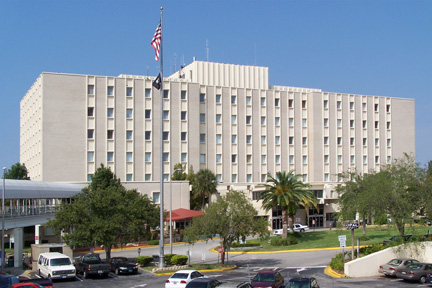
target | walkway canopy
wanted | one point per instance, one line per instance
(183, 214)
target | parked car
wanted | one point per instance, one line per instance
(268, 279)
(389, 269)
(397, 238)
(8, 280)
(29, 285)
(91, 264)
(415, 272)
(232, 284)
(120, 265)
(44, 282)
(182, 277)
(297, 228)
(303, 282)
(203, 283)
(55, 265)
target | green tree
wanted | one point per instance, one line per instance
(231, 217)
(179, 172)
(105, 213)
(17, 171)
(204, 186)
(289, 193)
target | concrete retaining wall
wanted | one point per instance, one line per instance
(368, 266)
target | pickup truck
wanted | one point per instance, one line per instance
(91, 264)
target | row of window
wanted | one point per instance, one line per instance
(351, 105)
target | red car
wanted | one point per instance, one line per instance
(29, 285)
(268, 279)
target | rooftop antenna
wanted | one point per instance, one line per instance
(207, 50)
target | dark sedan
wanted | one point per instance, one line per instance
(303, 282)
(203, 283)
(415, 272)
(121, 265)
(267, 279)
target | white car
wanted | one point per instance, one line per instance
(182, 277)
(297, 228)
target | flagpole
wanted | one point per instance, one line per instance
(161, 240)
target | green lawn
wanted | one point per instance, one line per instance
(329, 238)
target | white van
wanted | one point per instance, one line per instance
(55, 265)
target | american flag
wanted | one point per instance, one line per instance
(156, 41)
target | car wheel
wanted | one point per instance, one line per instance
(85, 275)
(422, 279)
(302, 230)
(117, 272)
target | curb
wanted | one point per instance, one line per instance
(202, 271)
(330, 272)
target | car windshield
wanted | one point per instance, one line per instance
(415, 266)
(91, 259)
(264, 277)
(195, 284)
(395, 262)
(298, 283)
(180, 275)
(60, 262)
(121, 260)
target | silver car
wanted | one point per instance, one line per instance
(389, 269)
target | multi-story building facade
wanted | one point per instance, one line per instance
(223, 117)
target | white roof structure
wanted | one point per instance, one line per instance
(25, 189)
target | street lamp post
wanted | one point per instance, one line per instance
(3, 222)
(170, 213)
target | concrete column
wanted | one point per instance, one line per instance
(37, 234)
(18, 246)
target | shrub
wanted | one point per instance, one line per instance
(179, 260)
(153, 242)
(168, 258)
(337, 262)
(279, 241)
(144, 260)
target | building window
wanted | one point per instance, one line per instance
(352, 158)
(110, 156)
(277, 159)
(364, 141)
(90, 111)
(234, 119)
(304, 159)
(290, 103)
(325, 104)
(263, 140)
(129, 91)
(351, 105)
(352, 141)
(263, 120)
(202, 158)
(183, 115)
(388, 108)
(248, 100)
(218, 158)
(388, 125)
(90, 133)
(128, 177)
(339, 140)
(110, 112)
(376, 107)
(219, 178)
(263, 159)
(388, 142)
(249, 178)
(166, 94)
(218, 98)
(234, 158)
(338, 104)
(248, 139)
(339, 123)
(376, 124)
(147, 135)
(183, 95)
(89, 177)
(304, 122)
(233, 99)
(165, 157)
(276, 102)
(233, 139)
(202, 98)
(218, 118)
(364, 159)
(364, 124)
(364, 106)
(183, 157)
(90, 156)
(263, 177)
(304, 140)
(129, 113)
(129, 135)
(326, 158)
(388, 159)
(277, 121)
(90, 89)
(202, 138)
(291, 159)
(147, 114)
(291, 140)
(129, 156)
(110, 91)
(110, 134)
(263, 101)
(165, 115)
(183, 136)
(147, 177)
(291, 122)
(351, 123)
(147, 156)
(325, 122)
(218, 138)
(234, 178)
(376, 159)
(248, 120)
(305, 178)
(248, 158)
(304, 104)
(326, 140)
(326, 177)
(147, 93)
(156, 197)
(277, 140)
(376, 142)
(165, 136)
(339, 159)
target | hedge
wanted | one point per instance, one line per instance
(179, 260)
(144, 260)
(279, 241)
(168, 258)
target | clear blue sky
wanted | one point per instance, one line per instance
(369, 47)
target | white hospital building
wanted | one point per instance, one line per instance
(223, 117)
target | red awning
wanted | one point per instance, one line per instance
(183, 214)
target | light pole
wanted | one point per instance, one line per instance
(3, 221)
(170, 213)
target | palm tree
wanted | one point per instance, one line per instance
(289, 193)
(204, 186)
